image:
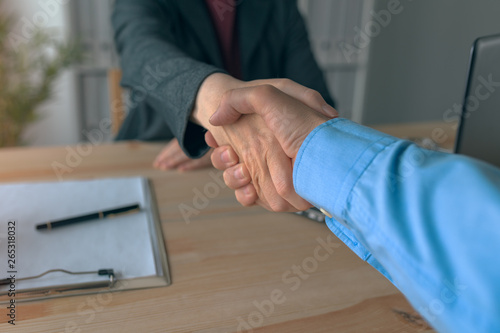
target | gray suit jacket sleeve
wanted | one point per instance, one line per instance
(166, 49)
(164, 81)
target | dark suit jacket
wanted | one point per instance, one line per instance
(168, 47)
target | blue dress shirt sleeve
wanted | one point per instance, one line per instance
(428, 221)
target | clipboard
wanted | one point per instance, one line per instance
(129, 250)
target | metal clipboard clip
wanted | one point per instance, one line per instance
(50, 291)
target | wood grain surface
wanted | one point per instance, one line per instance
(233, 268)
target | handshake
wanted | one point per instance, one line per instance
(257, 131)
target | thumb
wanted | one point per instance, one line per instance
(233, 104)
(210, 140)
(237, 102)
(288, 118)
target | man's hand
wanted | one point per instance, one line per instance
(172, 157)
(268, 166)
(289, 120)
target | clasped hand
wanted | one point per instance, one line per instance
(264, 126)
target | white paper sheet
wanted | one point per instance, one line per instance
(123, 243)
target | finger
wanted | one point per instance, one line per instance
(281, 172)
(263, 204)
(272, 201)
(247, 195)
(163, 154)
(224, 157)
(195, 164)
(309, 97)
(264, 100)
(173, 160)
(170, 157)
(265, 185)
(237, 102)
(290, 120)
(210, 140)
(237, 176)
(305, 95)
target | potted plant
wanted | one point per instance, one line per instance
(28, 71)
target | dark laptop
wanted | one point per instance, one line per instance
(479, 130)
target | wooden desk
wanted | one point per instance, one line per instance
(228, 264)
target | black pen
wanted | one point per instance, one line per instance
(93, 216)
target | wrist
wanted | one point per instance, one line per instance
(209, 95)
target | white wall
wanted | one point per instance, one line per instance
(416, 68)
(331, 24)
(59, 121)
(418, 62)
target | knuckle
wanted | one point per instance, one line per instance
(263, 91)
(279, 205)
(244, 200)
(265, 140)
(312, 95)
(284, 187)
(227, 178)
(267, 89)
(248, 154)
(303, 206)
(215, 162)
(243, 203)
(283, 82)
(225, 97)
(255, 152)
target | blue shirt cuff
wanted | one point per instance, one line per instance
(324, 159)
(335, 153)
